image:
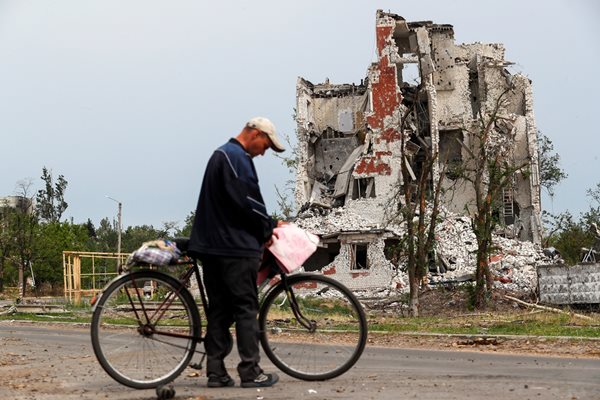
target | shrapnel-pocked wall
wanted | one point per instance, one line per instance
(354, 138)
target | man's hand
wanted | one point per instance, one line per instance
(279, 224)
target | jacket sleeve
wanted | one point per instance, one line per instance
(244, 193)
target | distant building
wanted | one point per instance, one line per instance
(19, 202)
(349, 135)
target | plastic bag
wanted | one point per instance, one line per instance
(155, 252)
(292, 246)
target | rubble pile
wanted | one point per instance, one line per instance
(322, 221)
(513, 264)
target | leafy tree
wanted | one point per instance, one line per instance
(290, 160)
(134, 236)
(186, 231)
(24, 224)
(167, 226)
(594, 194)
(489, 168)
(52, 239)
(50, 201)
(418, 203)
(551, 174)
(106, 236)
(7, 242)
(420, 224)
(568, 235)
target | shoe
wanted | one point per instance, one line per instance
(220, 381)
(262, 380)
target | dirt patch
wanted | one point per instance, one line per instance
(559, 347)
(453, 303)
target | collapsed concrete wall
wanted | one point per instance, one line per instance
(353, 139)
(361, 258)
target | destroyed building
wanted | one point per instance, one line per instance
(354, 138)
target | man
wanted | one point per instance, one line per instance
(230, 229)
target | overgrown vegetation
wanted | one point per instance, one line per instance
(33, 235)
(570, 234)
(519, 323)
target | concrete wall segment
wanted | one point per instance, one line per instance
(477, 75)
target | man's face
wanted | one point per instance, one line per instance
(259, 143)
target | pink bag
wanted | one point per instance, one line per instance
(292, 246)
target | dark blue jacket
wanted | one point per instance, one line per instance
(231, 218)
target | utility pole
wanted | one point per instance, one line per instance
(119, 226)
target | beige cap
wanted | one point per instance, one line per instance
(266, 126)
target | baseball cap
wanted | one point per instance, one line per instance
(266, 126)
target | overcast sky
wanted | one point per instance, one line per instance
(130, 98)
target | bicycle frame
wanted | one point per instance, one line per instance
(147, 323)
(171, 311)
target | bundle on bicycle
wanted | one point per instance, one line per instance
(147, 326)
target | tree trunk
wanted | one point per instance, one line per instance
(21, 282)
(413, 283)
(481, 288)
(2, 274)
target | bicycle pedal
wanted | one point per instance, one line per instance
(195, 365)
(165, 392)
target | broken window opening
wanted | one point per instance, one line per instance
(475, 95)
(331, 151)
(322, 256)
(393, 251)
(422, 111)
(451, 152)
(358, 256)
(363, 188)
(409, 73)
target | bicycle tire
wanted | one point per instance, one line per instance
(339, 328)
(133, 342)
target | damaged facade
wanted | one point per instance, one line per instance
(354, 138)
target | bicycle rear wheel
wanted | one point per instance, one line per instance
(145, 327)
(323, 338)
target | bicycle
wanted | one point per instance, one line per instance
(146, 325)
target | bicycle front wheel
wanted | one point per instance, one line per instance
(144, 329)
(317, 330)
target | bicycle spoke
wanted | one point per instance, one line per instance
(144, 341)
(314, 330)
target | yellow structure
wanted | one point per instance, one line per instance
(86, 273)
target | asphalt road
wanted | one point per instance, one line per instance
(57, 362)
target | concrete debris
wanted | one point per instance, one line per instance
(10, 310)
(514, 264)
(422, 97)
(322, 221)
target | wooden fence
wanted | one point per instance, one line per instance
(86, 273)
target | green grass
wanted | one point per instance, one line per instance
(537, 323)
(71, 317)
(540, 324)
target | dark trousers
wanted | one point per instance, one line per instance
(232, 297)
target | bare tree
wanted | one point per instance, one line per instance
(285, 201)
(489, 167)
(418, 202)
(6, 240)
(24, 224)
(421, 230)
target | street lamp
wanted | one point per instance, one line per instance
(119, 222)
